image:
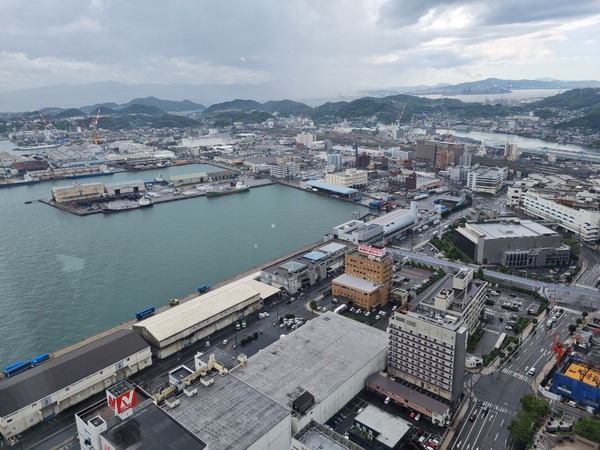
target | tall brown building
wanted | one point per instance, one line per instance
(439, 154)
(367, 278)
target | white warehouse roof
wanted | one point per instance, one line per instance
(202, 308)
(318, 357)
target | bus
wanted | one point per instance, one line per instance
(15, 368)
(144, 313)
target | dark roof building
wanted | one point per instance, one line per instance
(43, 391)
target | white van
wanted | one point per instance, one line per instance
(531, 371)
(225, 342)
(387, 400)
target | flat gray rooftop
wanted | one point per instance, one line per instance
(461, 298)
(150, 428)
(512, 229)
(229, 414)
(392, 429)
(317, 357)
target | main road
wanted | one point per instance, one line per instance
(499, 393)
(578, 296)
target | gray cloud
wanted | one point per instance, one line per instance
(312, 46)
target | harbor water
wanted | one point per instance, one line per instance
(64, 277)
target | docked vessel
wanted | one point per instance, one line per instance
(36, 147)
(114, 207)
(88, 175)
(234, 188)
(27, 179)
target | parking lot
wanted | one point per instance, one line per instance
(344, 419)
(498, 320)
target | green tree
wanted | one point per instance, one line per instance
(480, 275)
(523, 427)
(588, 428)
(579, 321)
(572, 328)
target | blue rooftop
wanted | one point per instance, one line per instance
(315, 256)
(332, 187)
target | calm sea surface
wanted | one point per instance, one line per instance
(64, 277)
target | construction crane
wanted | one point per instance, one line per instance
(399, 116)
(94, 125)
(558, 348)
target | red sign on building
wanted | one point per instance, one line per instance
(123, 402)
(371, 250)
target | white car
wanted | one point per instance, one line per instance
(368, 313)
(377, 317)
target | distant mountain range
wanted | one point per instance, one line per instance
(111, 94)
(498, 85)
(151, 111)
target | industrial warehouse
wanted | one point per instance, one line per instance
(304, 377)
(39, 393)
(198, 318)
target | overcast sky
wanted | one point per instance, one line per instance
(317, 47)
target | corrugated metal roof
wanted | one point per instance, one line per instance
(189, 314)
(35, 384)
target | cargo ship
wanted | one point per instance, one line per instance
(88, 175)
(126, 206)
(233, 189)
(27, 179)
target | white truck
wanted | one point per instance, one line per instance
(340, 309)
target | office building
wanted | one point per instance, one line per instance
(439, 154)
(488, 180)
(334, 159)
(428, 351)
(512, 242)
(305, 139)
(428, 346)
(583, 223)
(287, 169)
(367, 278)
(511, 151)
(351, 178)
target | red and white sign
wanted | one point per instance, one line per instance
(123, 402)
(371, 250)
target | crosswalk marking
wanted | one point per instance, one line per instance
(500, 409)
(512, 373)
(487, 330)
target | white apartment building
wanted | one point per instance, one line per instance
(585, 223)
(306, 139)
(429, 353)
(487, 179)
(511, 151)
(349, 178)
(288, 169)
(428, 343)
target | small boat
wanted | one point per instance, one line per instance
(28, 202)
